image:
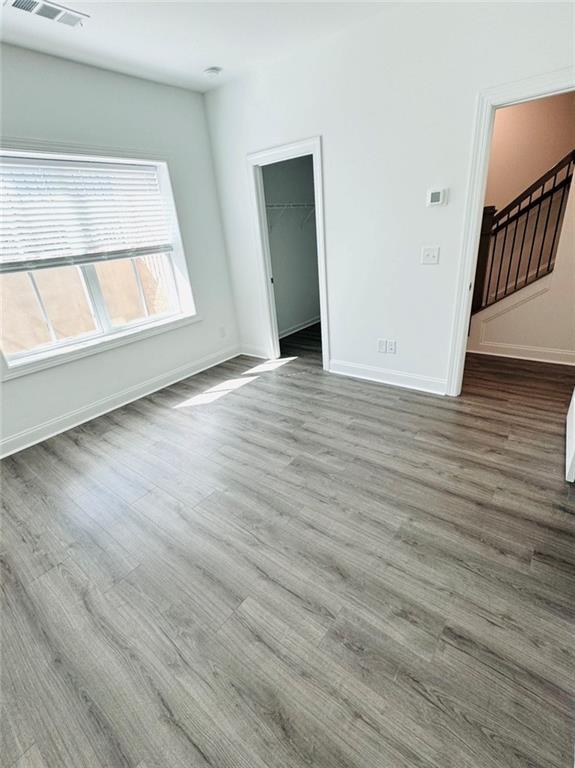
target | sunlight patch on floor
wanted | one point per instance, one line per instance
(214, 393)
(269, 365)
(230, 385)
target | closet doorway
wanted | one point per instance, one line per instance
(289, 211)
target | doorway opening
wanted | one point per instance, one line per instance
(544, 195)
(514, 321)
(522, 325)
(522, 304)
(290, 216)
(288, 197)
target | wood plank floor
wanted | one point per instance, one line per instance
(265, 566)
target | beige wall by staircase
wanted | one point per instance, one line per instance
(537, 322)
(528, 139)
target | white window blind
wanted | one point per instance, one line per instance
(55, 213)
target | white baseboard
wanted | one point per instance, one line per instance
(253, 352)
(51, 427)
(570, 443)
(520, 352)
(300, 326)
(388, 376)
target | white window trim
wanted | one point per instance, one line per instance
(99, 342)
(93, 346)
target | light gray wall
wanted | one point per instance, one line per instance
(394, 100)
(72, 106)
(293, 244)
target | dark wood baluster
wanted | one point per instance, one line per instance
(558, 223)
(545, 228)
(532, 244)
(512, 251)
(520, 259)
(488, 300)
(501, 260)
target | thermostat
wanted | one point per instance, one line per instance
(436, 197)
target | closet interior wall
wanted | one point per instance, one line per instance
(289, 196)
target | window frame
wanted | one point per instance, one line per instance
(106, 336)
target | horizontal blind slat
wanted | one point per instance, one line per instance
(78, 210)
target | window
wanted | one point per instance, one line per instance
(90, 251)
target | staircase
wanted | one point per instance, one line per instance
(518, 244)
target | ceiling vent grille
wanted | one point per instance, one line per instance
(48, 11)
(71, 19)
(51, 11)
(25, 5)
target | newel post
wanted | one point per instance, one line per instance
(482, 257)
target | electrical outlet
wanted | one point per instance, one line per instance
(387, 346)
(223, 331)
(430, 254)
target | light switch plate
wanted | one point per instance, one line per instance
(430, 254)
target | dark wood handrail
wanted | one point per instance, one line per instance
(518, 244)
(569, 158)
(526, 208)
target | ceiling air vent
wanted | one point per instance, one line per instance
(71, 19)
(50, 11)
(25, 5)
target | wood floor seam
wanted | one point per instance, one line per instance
(295, 570)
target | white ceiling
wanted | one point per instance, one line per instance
(173, 42)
